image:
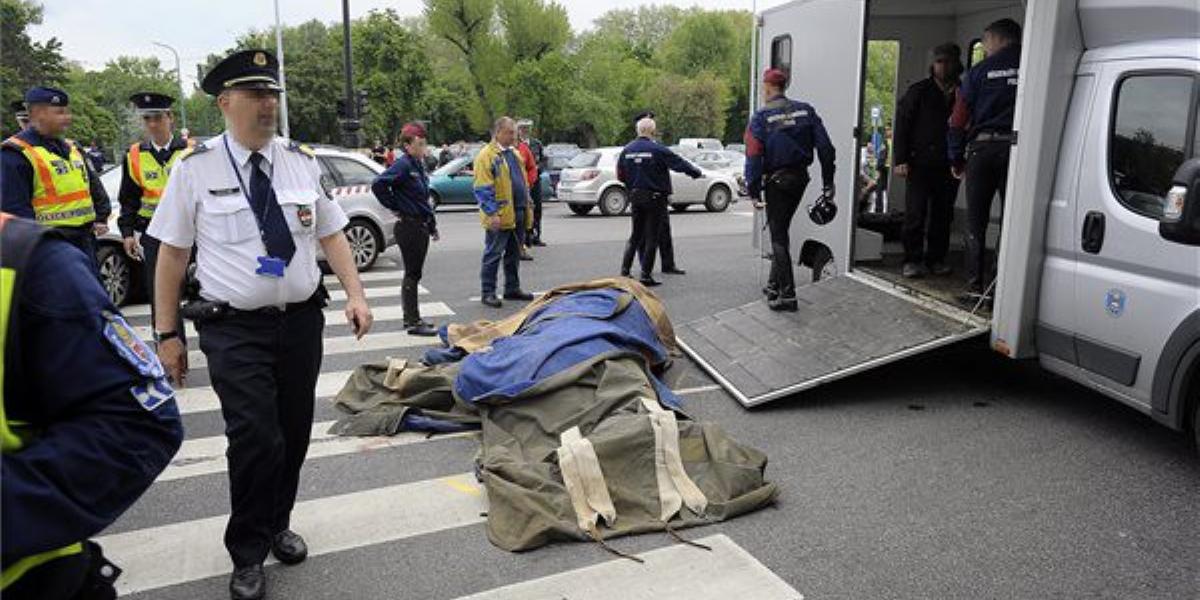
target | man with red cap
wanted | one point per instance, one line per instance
(780, 142)
(404, 189)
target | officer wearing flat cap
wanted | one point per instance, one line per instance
(781, 139)
(253, 205)
(21, 114)
(644, 167)
(144, 174)
(44, 176)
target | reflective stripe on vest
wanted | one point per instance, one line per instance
(61, 197)
(150, 176)
(19, 238)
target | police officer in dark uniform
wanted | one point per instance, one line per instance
(979, 140)
(404, 189)
(645, 166)
(87, 418)
(780, 142)
(45, 177)
(21, 114)
(253, 206)
(144, 173)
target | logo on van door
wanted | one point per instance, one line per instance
(1114, 302)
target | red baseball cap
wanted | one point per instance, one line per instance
(413, 130)
(775, 77)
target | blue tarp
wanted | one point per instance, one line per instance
(571, 330)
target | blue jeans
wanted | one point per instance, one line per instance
(496, 245)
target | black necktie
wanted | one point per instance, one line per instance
(276, 235)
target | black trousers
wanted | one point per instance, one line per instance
(666, 247)
(150, 246)
(412, 235)
(649, 211)
(928, 212)
(535, 233)
(264, 368)
(986, 175)
(784, 191)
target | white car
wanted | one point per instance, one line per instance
(702, 143)
(346, 176)
(590, 179)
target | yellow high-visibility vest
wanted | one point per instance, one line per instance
(61, 196)
(150, 176)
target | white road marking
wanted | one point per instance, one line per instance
(204, 398)
(333, 317)
(677, 571)
(536, 295)
(177, 553)
(204, 456)
(373, 275)
(348, 345)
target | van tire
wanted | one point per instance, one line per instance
(613, 202)
(580, 209)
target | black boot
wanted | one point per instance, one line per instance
(248, 583)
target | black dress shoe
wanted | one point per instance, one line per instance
(518, 295)
(539, 242)
(289, 547)
(674, 271)
(491, 301)
(784, 304)
(624, 273)
(650, 281)
(421, 329)
(248, 583)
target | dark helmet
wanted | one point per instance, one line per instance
(823, 211)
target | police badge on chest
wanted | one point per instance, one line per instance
(304, 214)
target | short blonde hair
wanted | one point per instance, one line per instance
(646, 127)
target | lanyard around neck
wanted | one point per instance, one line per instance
(260, 219)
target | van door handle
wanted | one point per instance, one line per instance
(1093, 232)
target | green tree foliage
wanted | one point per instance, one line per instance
(533, 28)
(882, 57)
(468, 26)
(643, 30)
(390, 65)
(25, 63)
(687, 107)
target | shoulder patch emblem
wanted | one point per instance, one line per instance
(152, 394)
(130, 347)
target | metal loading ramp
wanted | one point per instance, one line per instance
(845, 325)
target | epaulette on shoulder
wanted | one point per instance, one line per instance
(295, 146)
(194, 150)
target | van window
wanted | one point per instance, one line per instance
(1149, 138)
(976, 53)
(781, 54)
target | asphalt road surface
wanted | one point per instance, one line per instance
(952, 475)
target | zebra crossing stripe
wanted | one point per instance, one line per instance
(347, 345)
(205, 456)
(176, 553)
(338, 295)
(204, 398)
(677, 571)
(335, 316)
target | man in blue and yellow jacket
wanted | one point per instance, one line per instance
(503, 199)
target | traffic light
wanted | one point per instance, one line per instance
(341, 108)
(362, 102)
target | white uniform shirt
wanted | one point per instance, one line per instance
(203, 204)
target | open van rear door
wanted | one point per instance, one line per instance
(845, 324)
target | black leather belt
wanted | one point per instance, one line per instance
(317, 299)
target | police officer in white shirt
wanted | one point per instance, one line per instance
(253, 205)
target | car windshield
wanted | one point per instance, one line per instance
(453, 166)
(584, 160)
(559, 162)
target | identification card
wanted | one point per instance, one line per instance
(269, 266)
(305, 215)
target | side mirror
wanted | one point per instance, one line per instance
(1181, 208)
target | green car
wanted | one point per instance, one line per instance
(453, 183)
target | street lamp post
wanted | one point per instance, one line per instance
(283, 112)
(179, 81)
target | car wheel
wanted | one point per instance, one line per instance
(366, 243)
(435, 200)
(823, 266)
(613, 202)
(580, 209)
(116, 273)
(679, 207)
(718, 199)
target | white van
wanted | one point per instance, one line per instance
(1099, 244)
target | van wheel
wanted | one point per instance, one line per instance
(823, 266)
(580, 209)
(718, 199)
(366, 244)
(613, 202)
(116, 275)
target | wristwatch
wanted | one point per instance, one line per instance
(162, 336)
